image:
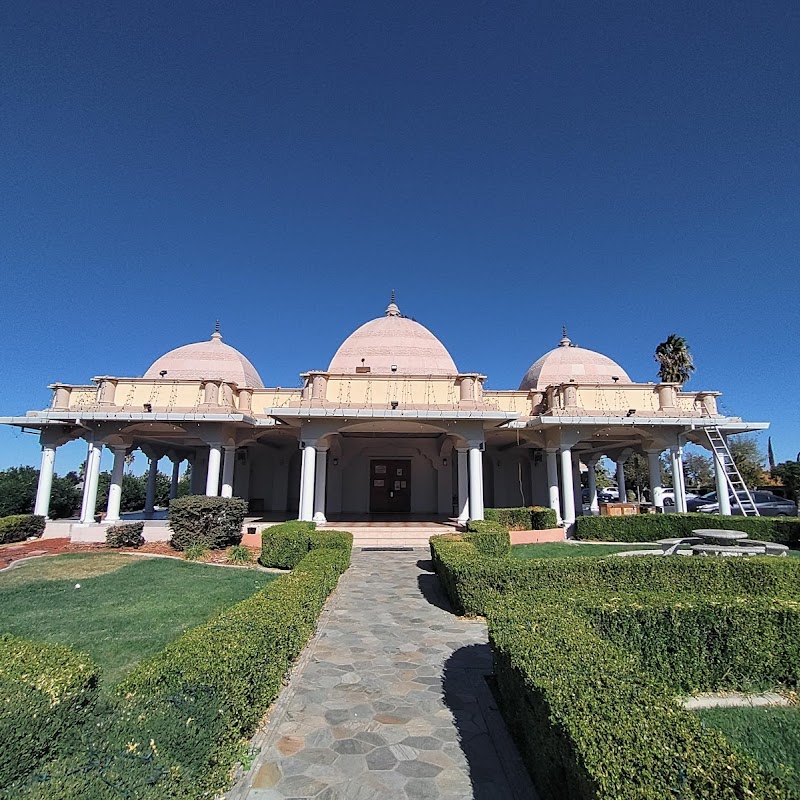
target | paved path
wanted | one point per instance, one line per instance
(389, 700)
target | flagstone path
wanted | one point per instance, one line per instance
(389, 700)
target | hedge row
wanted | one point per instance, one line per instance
(474, 582)
(523, 519)
(489, 538)
(283, 546)
(19, 527)
(46, 690)
(703, 645)
(651, 527)
(213, 522)
(592, 725)
(180, 720)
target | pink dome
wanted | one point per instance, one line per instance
(393, 340)
(211, 360)
(568, 364)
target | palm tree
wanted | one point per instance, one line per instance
(675, 359)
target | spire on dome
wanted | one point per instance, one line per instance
(392, 310)
(565, 340)
(216, 336)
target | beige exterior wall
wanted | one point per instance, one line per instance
(619, 399)
(366, 391)
(518, 402)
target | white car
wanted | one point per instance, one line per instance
(668, 497)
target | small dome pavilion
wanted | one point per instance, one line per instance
(570, 364)
(392, 345)
(207, 360)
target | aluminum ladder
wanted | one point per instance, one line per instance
(741, 494)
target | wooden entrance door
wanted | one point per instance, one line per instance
(390, 486)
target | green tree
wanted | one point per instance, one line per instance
(18, 493)
(698, 470)
(675, 359)
(788, 473)
(637, 476)
(748, 458)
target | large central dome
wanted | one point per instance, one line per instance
(392, 345)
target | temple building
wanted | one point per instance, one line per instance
(392, 429)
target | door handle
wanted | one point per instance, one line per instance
(391, 494)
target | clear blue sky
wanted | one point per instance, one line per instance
(628, 169)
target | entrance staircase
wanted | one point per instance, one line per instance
(382, 534)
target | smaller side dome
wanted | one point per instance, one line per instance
(211, 360)
(568, 363)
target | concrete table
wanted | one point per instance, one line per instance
(726, 550)
(720, 536)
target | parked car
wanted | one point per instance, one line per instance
(609, 494)
(703, 500)
(767, 503)
(668, 497)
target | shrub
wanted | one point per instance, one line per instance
(46, 690)
(489, 538)
(239, 554)
(215, 522)
(330, 540)
(19, 527)
(592, 725)
(513, 519)
(543, 518)
(125, 534)
(534, 518)
(651, 527)
(283, 545)
(195, 552)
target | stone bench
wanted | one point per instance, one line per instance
(771, 548)
(670, 546)
(727, 550)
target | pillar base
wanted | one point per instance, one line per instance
(319, 518)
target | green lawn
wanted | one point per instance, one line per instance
(127, 607)
(567, 550)
(770, 735)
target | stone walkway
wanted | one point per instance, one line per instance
(390, 700)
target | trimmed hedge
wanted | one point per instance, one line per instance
(474, 582)
(46, 691)
(755, 643)
(19, 527)
(543, 518)
(125, 534)
(526, 518)
(489, 538)
(180, 720)
(284, 545)
(651, 527)
(592, 725)
(215, 522)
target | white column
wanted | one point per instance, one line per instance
(90, 477)
(723, 497)
(576, 484)
(594, 505)
(227, 471)
(320, 478)
(115, 487)
(475, 480)
(307, 470)
(654, 470)
(623, 493)
(176, 476)
(552, 481)
(676, 457)
(463, 484)
(212, 476)
(150, 494)
(45, 487)
(567, 491)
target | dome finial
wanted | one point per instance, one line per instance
(565, 340)
(216, 336)
(392, 310)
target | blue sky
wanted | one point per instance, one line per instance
(630, 170)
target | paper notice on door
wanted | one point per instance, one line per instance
(377, 483)
(397, 485)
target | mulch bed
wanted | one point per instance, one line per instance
(9, 553)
